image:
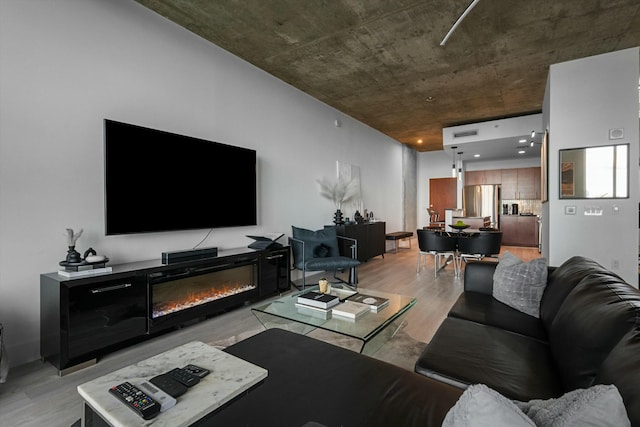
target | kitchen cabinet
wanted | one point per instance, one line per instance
(509, 185)
(520, 184)
(491, 176)
(519, 230)
(529, 183)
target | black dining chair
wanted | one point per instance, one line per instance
(479, 245)
(439, 244)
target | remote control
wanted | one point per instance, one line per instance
(136, 399)
(169, 385)
(184, 377)
(196, 370)
(160, 396)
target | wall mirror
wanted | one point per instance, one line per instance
(595, 172)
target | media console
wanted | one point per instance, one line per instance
(84, 318)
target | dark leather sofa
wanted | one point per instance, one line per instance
(588, 333)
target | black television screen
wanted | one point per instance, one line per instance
(161, 181)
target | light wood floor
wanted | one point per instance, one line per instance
(35, 395)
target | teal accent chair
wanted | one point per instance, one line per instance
(319, 251)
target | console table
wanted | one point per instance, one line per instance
(84, 318)
(230, 376)
(370, 236)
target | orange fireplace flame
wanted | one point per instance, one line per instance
(193, 299)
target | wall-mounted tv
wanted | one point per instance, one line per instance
(160, 181)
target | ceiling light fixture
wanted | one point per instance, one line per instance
(453, 161)
(458, 21)
(430, 99)
(476, 155)
(522, 141)
(521, 151)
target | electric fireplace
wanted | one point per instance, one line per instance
(183, 294)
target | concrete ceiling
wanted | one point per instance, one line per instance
(381, 62)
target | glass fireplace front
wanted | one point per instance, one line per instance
(190, 290)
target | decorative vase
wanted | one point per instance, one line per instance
(73, 256)
(337, 217)
(358, 218)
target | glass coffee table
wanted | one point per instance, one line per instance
(370, 331)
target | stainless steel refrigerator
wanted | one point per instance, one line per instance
(481, 201)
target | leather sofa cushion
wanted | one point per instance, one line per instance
(561, 281)
(516, 366)
(312, 381)
(485, 309)
(593, 318)
(621, 368)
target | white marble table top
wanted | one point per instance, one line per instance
(229, 377)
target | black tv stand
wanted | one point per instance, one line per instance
(83, 318)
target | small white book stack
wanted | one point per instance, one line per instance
(350, 310)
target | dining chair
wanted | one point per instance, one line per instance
(478, 246)
(441, 245)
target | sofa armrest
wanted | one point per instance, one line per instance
(478, 277)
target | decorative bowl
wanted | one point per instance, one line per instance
(459, 226)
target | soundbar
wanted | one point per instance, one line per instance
(188, 255)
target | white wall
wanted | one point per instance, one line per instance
(67, 65)
(587, 98)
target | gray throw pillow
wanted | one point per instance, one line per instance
(600, 405)
(480, 406)
(519, 284)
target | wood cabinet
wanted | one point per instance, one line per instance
(519, 230)
(491, 176)
(521, 184)
(529, 183)
(370, 236)
(509, 185)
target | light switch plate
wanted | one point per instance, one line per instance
(569, 210)
(593, 211)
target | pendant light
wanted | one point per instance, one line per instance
(453, 161)
(460, 165)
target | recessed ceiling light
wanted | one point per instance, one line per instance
(430, 99)
(521, 151)
(521, 141)
(419, 141)
(476, 155)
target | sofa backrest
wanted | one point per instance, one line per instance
(561, 281)
(595, 315)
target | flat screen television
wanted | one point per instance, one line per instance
(160, 181)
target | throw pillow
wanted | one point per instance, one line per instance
(480, 406)
(312, 239)
(321, 251)
(600, 405)
(519, 284)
